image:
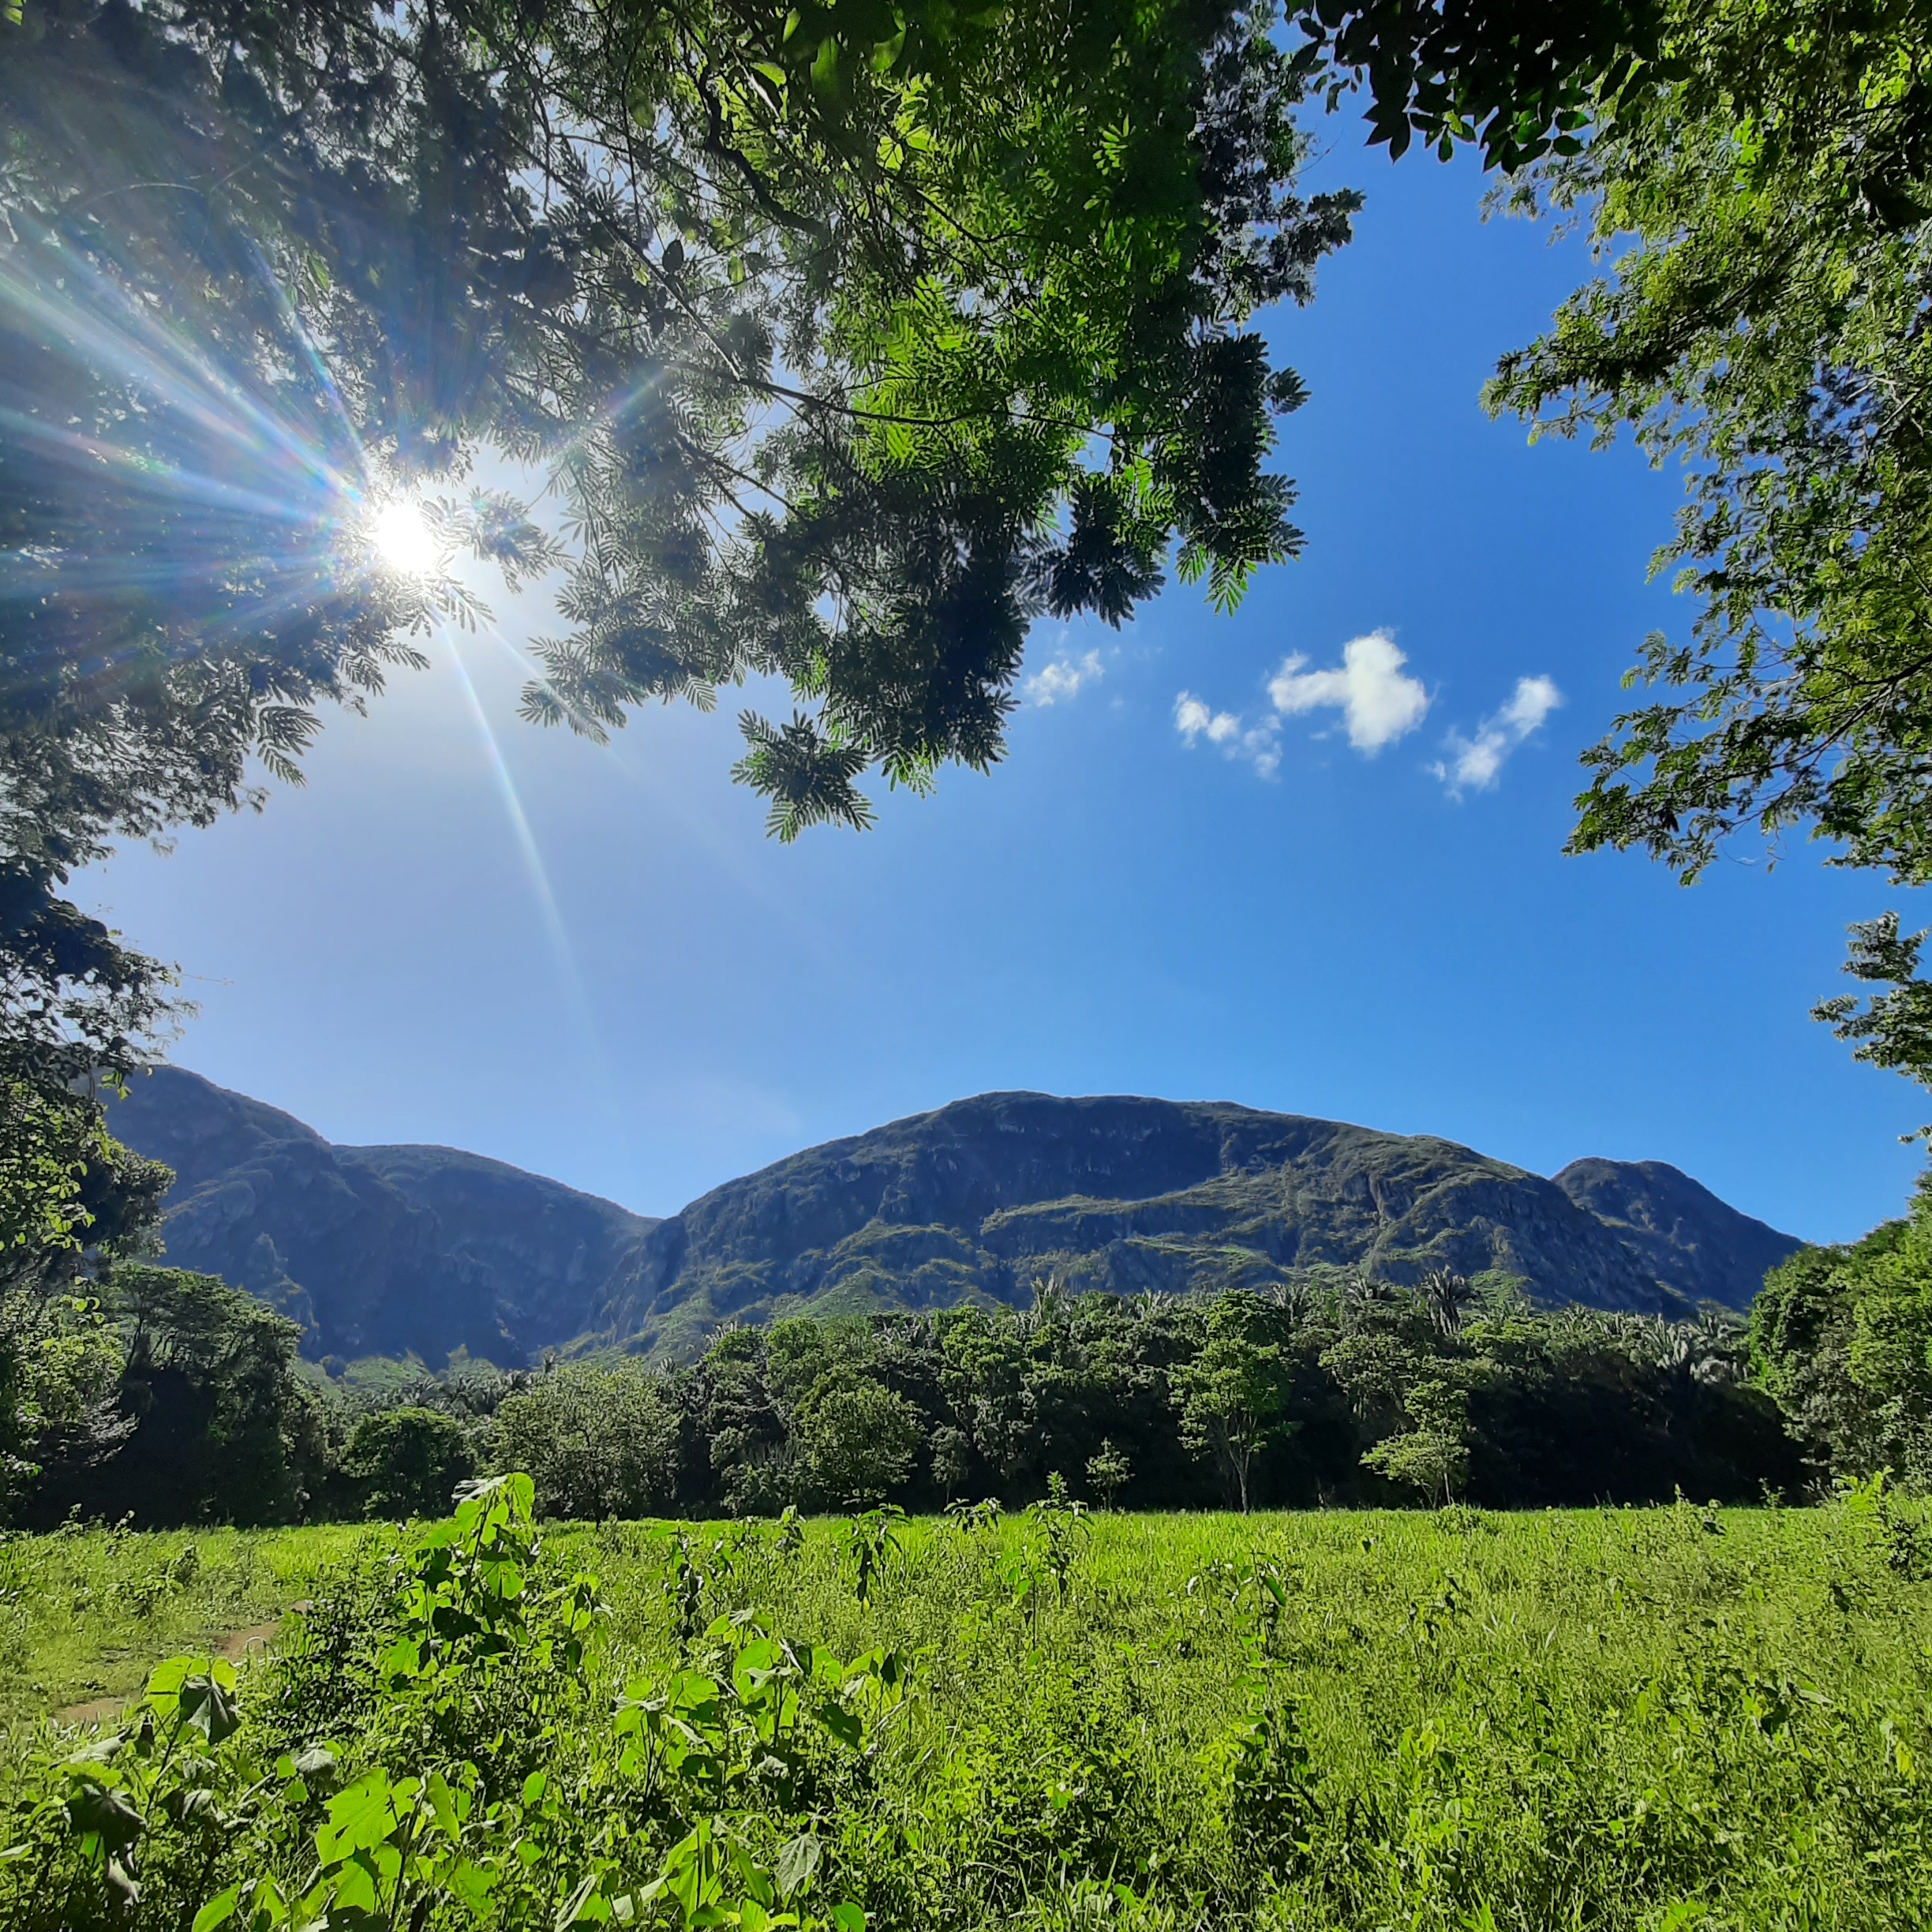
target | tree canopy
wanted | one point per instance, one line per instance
(852, 339)
(1763, 201)
(1347, 1390)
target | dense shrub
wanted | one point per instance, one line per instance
(1842, 1337)
(223, 1428)
(408, 1461)
(597, 1442)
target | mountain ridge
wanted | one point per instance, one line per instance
(416, 1248)
(393, 1249)
(1196, 1194)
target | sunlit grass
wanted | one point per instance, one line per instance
(1563, 1718)
(85, 1614)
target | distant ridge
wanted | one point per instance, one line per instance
(973, 1200)
(377, 1250)
(429, 1249)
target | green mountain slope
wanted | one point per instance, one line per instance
(429, 1249)
(381, 1250)
(976, 1198)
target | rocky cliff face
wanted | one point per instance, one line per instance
(391, 1249)
(976, 1198)
(382, 1250)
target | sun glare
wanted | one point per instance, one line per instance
(402, 540)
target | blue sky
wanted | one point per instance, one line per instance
(591, 962)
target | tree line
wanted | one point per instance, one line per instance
(174, 1398)
(132, 1389)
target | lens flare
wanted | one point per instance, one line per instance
(400, 535)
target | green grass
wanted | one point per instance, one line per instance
(85, 1614)
(1644, 1719)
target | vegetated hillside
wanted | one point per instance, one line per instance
(378, 1250)
(394, 1250)
(971, 1201)
(1689, 1235)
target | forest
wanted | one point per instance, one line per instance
(168, 1398)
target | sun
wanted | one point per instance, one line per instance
(402, 540)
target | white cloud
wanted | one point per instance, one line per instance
(1258, 744)
(1060, 681)
(1474, 764)
(1378, 704)
(1191, 718)
(1535, 699)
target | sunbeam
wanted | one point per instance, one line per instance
(236, 509)
(565, 956)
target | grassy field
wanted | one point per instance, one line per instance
(1651, 1719)
(85, 1614)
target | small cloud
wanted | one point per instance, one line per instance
(1060, 681)
(1474, 764)
(1535, 699)
(1378, 702)
(1258, 744)
(1192, 718)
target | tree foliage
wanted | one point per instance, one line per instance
(860, 1442)
(1843, 1337)
(176, 1399)
(1764, 201)
(1231, 1395)
(408, 1460)
(1348, 1392)
(598, 1441)
(1521, 78)
(818, 317)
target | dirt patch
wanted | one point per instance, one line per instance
(239, 1646)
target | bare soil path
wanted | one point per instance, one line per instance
(239, 1646)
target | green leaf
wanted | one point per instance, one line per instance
(798, 1860)
(443, 1806)
(473, 1885)
(355, 1885)
(360, 1817)
(847, 1726)
(98, 1811)
(572, 1909)
(401, 1659)
(218, 1910)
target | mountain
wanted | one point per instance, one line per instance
(390, 1249)
(1689, 1237)
(976, 1198)
(377, 1250)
